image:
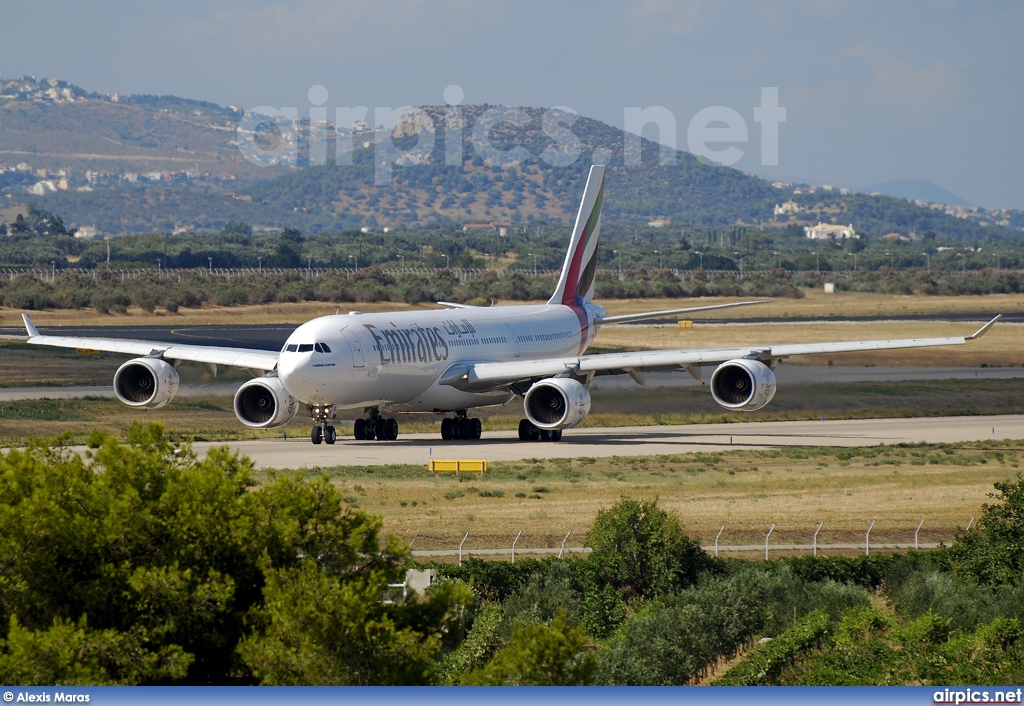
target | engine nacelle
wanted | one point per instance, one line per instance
(146, 382)
(557, 403)
(263, 403)
(743, 385)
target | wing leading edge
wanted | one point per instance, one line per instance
(231, 357)
(485, 376)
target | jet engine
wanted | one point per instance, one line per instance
(263, 403)
(743, 385)
(146, 382)
(557, 403)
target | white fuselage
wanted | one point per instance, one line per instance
(395, 360)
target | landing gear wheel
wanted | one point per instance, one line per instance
(475, 428)
(391, 429)
(446, 428)
(545, 435)
(359, 429)
(316, 435)
(330, 435)
(379, 429)
(556, 434)
(368, 430)
(524, 429)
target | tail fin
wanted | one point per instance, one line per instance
(576, 284)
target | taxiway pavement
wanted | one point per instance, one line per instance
(627, 441)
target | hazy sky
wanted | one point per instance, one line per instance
(873, 90)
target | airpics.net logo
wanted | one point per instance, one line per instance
(977, 696)
(269, 136)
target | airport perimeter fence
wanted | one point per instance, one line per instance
(811, 547)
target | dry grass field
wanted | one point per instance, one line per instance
(746, 491)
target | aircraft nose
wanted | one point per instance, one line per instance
(290, 367)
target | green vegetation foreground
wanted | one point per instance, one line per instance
(140, 564)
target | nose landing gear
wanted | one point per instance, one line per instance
(322, 431)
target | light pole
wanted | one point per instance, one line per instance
(353, 262)
(890, 260)
(927, 262)
(740, 255)
(963, 264)
(817, 262)
(261, 265)
(211, 264)
(534, 263)
(403, 262)
(701, 256)
(619, 254)
(159, 266)
(779, 258)
(855, 262)
(309, 268)
(660, 260)
(447, 262)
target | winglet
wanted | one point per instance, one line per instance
(984, 329)
(29, 326)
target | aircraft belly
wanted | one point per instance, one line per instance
(393, 384)
(443, 398)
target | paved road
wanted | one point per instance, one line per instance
(629, 441)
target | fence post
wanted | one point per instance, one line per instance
(460, 547)
(867, 539)
(720, 530)
(770, 530)
(514, 546)
(969, 525)
(564, 539)
(916, 531)
(816, 538)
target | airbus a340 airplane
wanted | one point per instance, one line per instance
(449, 361)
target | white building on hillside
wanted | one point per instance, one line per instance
(828, 231)
(790, 207)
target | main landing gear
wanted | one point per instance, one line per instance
(529, 432)
(375, 427)
(461, 428)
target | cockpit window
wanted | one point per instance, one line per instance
(322, 348)
(305, 347)
(291, 348)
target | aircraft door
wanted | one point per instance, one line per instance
(357, 349)
(515, 339)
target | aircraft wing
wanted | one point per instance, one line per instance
(210, 355)
(485, 376)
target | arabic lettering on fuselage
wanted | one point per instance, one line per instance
(416, 343)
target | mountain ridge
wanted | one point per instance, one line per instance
(138, 163)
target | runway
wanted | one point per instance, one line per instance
(628, 441)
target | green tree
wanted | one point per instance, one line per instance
(992, 551)
(157, 564)
(539, 655)
(642, 551)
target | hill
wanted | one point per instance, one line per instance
(162, 163)
(919, 190)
